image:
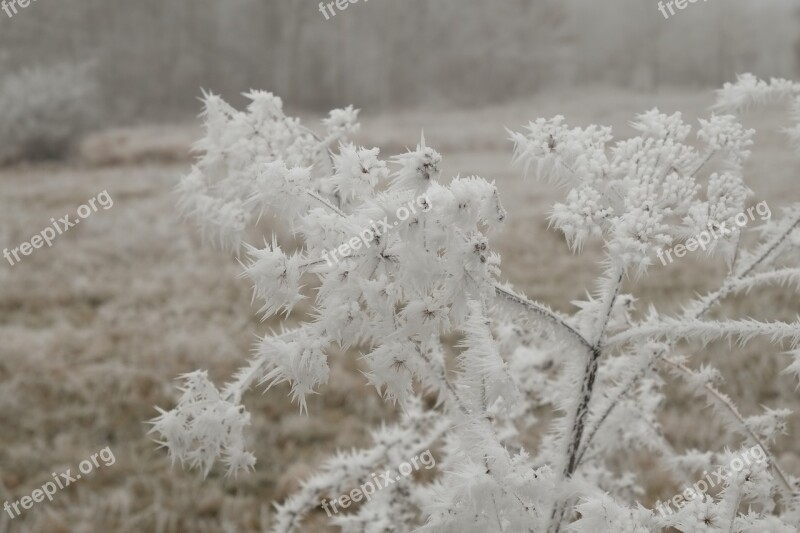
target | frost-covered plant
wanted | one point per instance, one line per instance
(44, 110)
(598, 373)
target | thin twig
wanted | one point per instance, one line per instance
(729, 405)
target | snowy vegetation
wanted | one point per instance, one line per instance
(44, 110)
(476, 369)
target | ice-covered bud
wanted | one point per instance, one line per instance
(275, 277)
(203, 427)
(418, 168)
(748, 90)
(473, 201)
(342, 122)
(357, 172)
(264, 106)
(747, 470)
(700, 513)
(560, 153)
(725, 133)
(224, 222)
(582, 216)
(655, 124)
(727, 195)
(391, 370)
(301, 363)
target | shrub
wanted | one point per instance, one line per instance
(400, 296)
(44, 110)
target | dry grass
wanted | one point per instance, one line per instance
(135, 146)
(96, 328)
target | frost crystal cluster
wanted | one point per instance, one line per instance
(531, 413)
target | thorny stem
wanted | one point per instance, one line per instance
(623, 391)
(326, 203)
(776, 276)
(247, 375)
(729, 405)
(687, 328)
(591, 373)
(734, 508)
(772, 246)
(587, 388)
(542, 311)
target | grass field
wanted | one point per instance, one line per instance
(94, 329)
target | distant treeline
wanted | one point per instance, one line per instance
(153, 56)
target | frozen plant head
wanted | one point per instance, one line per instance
(531, 413)
(644, 193)
(204, 426)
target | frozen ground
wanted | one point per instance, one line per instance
(94, 329)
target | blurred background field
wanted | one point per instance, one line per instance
(151, 57)
(94, 330)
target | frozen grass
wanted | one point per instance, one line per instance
(95, 328)
(132, 146)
